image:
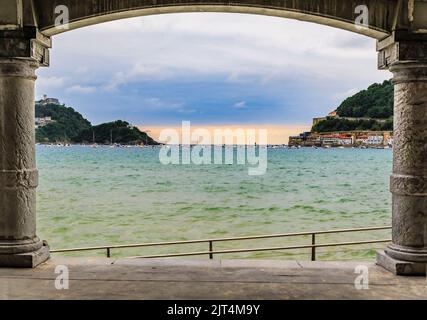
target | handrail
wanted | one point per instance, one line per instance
(336, 244)
(211, 251)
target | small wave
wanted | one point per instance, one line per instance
(217, 209)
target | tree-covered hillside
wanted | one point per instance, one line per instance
(67, 126)
(337, 124)
(374, 102)
(71, 126)
(120, 132)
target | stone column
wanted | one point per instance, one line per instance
(407, 254)
(19, 244)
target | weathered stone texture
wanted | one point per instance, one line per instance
(410, 117)
(401, 268)
(409, 179)
(28, 43)
(409, 221)
(339, 13)
(18, 172)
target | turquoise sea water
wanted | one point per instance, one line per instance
(97, 196)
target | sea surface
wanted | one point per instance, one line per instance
(98, 196)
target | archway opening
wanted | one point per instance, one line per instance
(123, 191)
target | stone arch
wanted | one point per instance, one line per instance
(26, 27)
(339, 13)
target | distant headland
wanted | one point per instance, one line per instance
(57, 123)
(363, 120)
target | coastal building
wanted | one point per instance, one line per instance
(361, 139)
(343, 138)
(333, 114)
(375, 139)
(41, 122)
(336, 140)
(295, 141)
(329, 140)
(307, 139)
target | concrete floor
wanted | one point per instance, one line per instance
(98, 278)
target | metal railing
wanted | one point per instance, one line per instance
(211, 252)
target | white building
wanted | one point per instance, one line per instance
(362, 140)
(336, 139)
(41, 122)
(375, 139)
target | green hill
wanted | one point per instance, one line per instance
(374, 102)
(338, 124)
(120, 132)
(370, 109)
(70, 126)
(67, 126)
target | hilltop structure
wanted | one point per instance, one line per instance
(46, 100)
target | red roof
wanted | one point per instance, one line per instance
(338, 136)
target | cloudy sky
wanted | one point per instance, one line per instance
(209, 68)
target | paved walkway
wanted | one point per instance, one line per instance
(97, 278)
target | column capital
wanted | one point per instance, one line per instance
(27, 43)
(18, 68)
(402, 47)
(409, 72)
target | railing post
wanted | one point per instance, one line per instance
(108, 253)
(210, 250)
(313, 249)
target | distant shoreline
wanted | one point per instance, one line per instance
(270, 146)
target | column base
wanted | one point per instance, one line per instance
(401, 268)
(25, 260)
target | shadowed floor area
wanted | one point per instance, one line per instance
(98, 278)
